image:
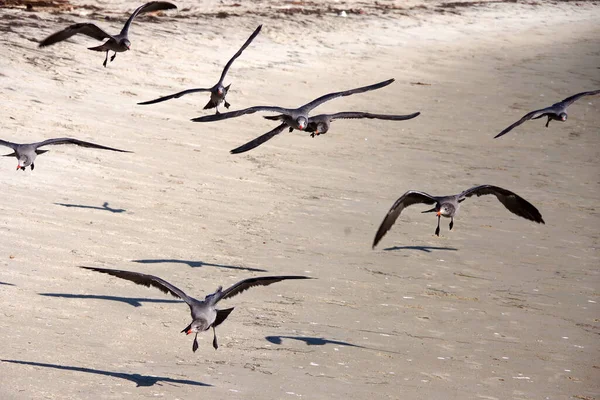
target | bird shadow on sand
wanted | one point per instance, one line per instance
(426, 249)
(132, 301)
(316, 341)
(198, 264)
(7, 284)
(139, 380)
(104, 207)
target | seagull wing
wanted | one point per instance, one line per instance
(87, 29)
(313, 104)
(175, 96)
(77, 142)
(8, 144)
(248, 283)
(236, 55)
(360, 115)
(407, 199)
(146, 280)
(526, 117)
(233, 114)
(570, 100)
(512, 201)
(259, 140)
(148, 7)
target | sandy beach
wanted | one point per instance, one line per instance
(498, 308)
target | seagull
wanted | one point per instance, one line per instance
(117, 43)
(218, 91)
(557, 112)
(296, 118)
(447, 206)
(204, 312)
(318, 125)
(27, 152)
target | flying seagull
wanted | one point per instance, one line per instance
(218, 91)
(296, 118)
(557, 112)
(318, 125)
(117, 43)
(27, 152)
(204, 312)
(447, 206)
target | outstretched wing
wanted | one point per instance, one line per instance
(360, 115)
(87, 29)
(570, 100)
(259, 140)
(175, 96)
(146, 280)
(512, 201)
(148, 7)
(407, 199)
(313, 104)
(248, 283)
(77, 142)
(8, 144)
(526, 117)
(233, 114)
(236, 55)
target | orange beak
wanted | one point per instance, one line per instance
(189, 331)
(438, 213)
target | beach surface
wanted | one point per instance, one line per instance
(498, 308)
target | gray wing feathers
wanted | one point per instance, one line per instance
(570, 100)
(87, 29)
(512, 201)
(174, 96)
(259, 140)
(77, 142)
(313, 104)
(239, 52)
(233, 114)
(526, 117)
(248, 283)
(360, 115)
(148, 7)
(146, 280)
(8, 144)
(407, 199)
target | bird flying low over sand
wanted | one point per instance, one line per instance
(296, 118)
(205, 315)
(318, 125)
(447, 206)
(556, 112)
(117, 43)
(26, 153)
(218, 91)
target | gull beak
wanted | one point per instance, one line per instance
(18, 167)
(188, 332)
(439, 213)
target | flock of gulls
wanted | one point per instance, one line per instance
(205, 314)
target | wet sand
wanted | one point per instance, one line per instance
(497, 308)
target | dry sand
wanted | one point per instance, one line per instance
(499, 308)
